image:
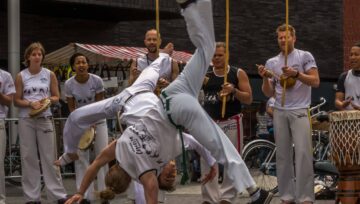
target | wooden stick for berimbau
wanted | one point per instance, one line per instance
(223, 109)
(157, 25)
(286, 50)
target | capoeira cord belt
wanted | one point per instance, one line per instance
(130, 97)
(166, 104)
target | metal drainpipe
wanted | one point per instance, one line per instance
(13, 52)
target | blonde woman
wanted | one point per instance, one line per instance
(37, 134)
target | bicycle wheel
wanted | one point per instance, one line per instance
(259, 157)
(12, 165)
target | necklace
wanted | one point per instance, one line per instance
(148, 61)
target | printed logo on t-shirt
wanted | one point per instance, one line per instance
(34, 90)
(135, 145)
(296, 66)
(147, 141)
(117, 101)
(44, 80)
(83, 100)
(309, 61)
(211, 98)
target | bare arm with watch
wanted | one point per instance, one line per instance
(310, 77)
(241, 91)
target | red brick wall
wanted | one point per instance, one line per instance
(351, 27)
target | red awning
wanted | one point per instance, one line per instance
(103, 53)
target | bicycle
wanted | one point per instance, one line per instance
(260, 157)
(12, 164)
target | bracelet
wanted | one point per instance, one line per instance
(79, 193)
(297, 74)
(30, 104)
(234, 91)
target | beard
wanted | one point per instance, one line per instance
(152, 49)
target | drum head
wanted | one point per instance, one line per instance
(86, 139)
(45, 103)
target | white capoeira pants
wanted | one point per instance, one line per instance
(38, 134)
(84, 161)
(180, 97)
(132, 104)
(293, 127)
(212, 191)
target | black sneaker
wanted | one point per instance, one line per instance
(184, 3)
(264, 198)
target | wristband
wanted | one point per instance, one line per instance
(297, 74)
(234, 91)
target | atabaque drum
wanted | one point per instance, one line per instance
(345, 153)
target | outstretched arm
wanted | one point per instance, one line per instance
(106, 156)
(192, 144)
(151, 187)
(134, 72)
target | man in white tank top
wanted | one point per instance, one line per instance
(167, 74)
(291, 121)
(7, 90)
(348, 90)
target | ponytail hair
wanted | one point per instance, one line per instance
(107, 194)
(117, 180)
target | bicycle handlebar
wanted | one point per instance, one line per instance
(315, 110)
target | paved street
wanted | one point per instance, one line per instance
(188, 194)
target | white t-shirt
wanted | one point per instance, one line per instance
(299, 96)
(352, 89)
(143, 148)
(165, 72)
(35, 88)
(84, 93)
(7, 87)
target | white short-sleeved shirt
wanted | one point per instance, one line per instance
(143, 148)
(165, 72)
(35, 88)
(84, 93)
(299, 96)
(7, 87)
(352, 89)
(139, 150)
